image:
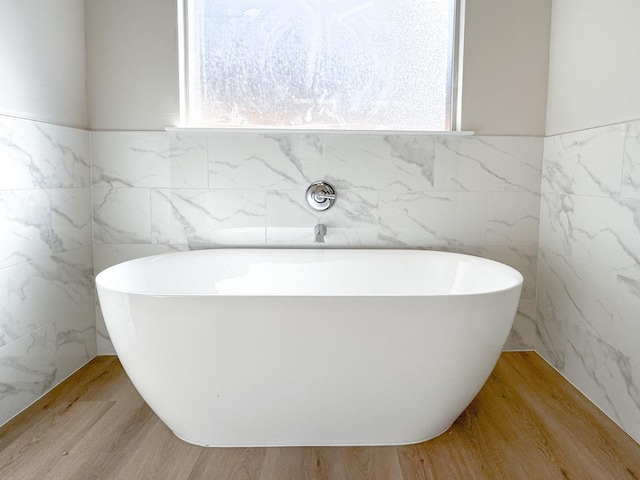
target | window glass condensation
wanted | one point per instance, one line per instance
(334, 64)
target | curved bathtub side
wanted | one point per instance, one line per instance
(258, 371)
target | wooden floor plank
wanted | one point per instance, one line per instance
(229, 463)
(32, 454)
(109, 444)
(509, 441)
(161, 456)
(291, 462)
(100, 375)
(364, 463)
(581, 434)
(527, 422)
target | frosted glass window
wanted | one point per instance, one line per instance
(321, 64)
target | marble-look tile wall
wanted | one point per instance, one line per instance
(162, 191)
(589, 266)
(47, 317)
(157, 192)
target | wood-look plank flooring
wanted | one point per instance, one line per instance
(526, 423)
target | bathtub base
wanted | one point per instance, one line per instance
(379, 443)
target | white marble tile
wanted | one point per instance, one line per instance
(578, 291)
(352, 220)
(608, 377)
(551, 341)
(292, 237)
(513, 218)
(586, 163)
(45, 291)
(149, 159)
(289, 219)
(432, 219)
(626, 321)
(103, 341)
(606, 231)
(25, 226)
(68, 154)
(208, 217)
(27, 292)
(27, 370)
(71, 221)
(107, 255)
(523, 333)
(488, 164)
(556, 222)
(289, 208)
(20, 168)
(189, 160)
(252, 161)
(352, 237)
(239, 217)
(121, 215)
(236, 237)
(631, 162)
(73, 310)
(353, 208)
(598, 230)
(380, 162)
(335, 237)
(470, 218)
(584, 354)
(72, 274)
(181, 216)
(76, 339)
(40, 155)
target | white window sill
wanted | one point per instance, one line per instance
(261, 130)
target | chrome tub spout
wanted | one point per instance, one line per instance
(319, 232)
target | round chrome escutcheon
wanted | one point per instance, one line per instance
(321, 195)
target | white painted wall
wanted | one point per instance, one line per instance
(132, 64)
(506, 66)
(133, 82)
(42, 61)
(594, 76)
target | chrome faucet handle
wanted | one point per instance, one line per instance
(321, 195)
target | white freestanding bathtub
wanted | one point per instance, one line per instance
(265, 347)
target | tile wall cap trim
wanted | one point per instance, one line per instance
(35, 119)
(586, 129)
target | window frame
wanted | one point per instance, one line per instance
(453, 109)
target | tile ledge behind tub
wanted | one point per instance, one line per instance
(265, 130)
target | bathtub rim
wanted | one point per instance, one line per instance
(517, 277)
